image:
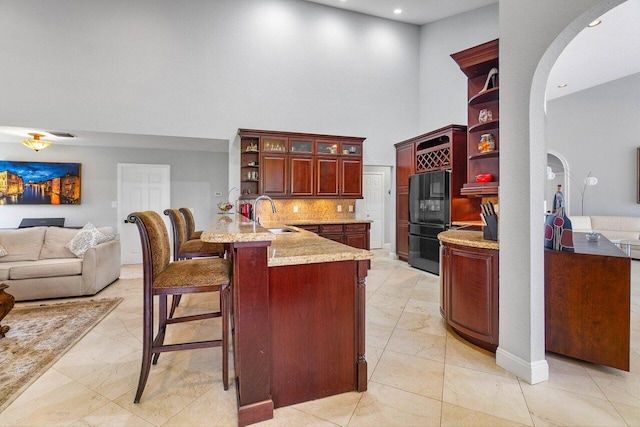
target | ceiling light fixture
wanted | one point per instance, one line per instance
(36, 144)
(397, 11)
(594, 23)
(562, 86)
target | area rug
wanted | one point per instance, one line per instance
(39, 336)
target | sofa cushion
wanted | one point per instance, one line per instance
(5, 267)
(617, 223)
(581, 223)
(23, 244)
(55, 243)
(47, 268)
(87, 238)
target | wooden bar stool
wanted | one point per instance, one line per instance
(163, 278)
(191, 224)
(183, 248)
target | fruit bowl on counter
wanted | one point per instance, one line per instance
(225, 206)
(484, 177)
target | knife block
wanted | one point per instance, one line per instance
(490, 231)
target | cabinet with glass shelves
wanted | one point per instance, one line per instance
(289, 164)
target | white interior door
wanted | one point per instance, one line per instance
(373, 192)
(140, 188)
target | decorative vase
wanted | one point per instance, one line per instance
(6, 304)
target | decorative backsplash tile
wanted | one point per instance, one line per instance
(320, 209)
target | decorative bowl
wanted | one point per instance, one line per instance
(225, 206)
(484, 177)
(593, 236)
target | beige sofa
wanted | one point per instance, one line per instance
(615, 228)
(39, 265)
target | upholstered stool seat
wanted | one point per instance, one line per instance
(198, 248)
(193, 273)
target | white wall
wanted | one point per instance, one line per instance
(532, 36)
(202, 68)
(596, 130)
(195, 177)
(443, 87)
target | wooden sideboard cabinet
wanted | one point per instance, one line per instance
(587, 300)
(289, 164)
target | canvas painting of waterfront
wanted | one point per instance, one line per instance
(39, 183)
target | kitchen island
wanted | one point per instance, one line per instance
(298, 317)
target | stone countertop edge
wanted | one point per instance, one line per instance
(468, 238)
(303, 247)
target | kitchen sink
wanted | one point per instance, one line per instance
(281, 230)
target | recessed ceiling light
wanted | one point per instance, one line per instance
(397, 11)
(562, 86)
(594, 23)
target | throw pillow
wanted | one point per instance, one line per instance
(86, 238)
(3, 251)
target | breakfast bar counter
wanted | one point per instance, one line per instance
(298, 314)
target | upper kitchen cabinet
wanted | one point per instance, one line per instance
(300, 165)
(480, 65)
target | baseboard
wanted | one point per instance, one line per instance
(531, 372)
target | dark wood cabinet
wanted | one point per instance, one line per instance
(273, 174)
(469, 280)
(405, 166)
(444, 148)
(327, 177)
(301, 175)
(351, 178)
(355, 235)
(480, 65)
(289, 164)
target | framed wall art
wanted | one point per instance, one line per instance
(38, 183)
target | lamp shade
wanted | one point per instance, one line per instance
(36, 144)
(591, 180)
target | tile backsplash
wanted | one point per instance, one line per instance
(307, 209)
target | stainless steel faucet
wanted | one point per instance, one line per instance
(255, 208)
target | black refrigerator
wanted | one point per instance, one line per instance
(429, 214)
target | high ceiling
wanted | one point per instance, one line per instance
(596, 56)
(416, 12)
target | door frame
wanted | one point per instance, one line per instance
(122, 216)
(382, 216)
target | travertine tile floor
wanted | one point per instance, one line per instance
(420, 373)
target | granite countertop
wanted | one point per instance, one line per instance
(301, 247)
(468, 238)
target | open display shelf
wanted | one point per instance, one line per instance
(483, 97)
